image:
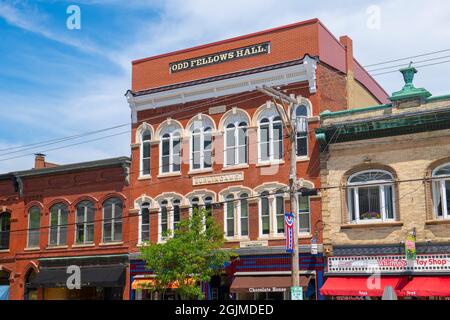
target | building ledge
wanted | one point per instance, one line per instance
(437, 222)
(167, 175)
(146, 177)
(117, 243)
(372, 225)
(235, 167)
(4, 251)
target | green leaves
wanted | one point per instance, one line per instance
(193, 255)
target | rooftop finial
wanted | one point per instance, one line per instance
(409, 91)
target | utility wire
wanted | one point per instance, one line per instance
(411, 57)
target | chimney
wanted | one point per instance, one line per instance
(39, 161)
(348, 44)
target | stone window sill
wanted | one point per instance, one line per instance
(270, 163)
(199, 171)
(116, 243)
(437, 222)
(83, 245)
(303, 159)
(56, 247)
(146, 177)
(236, 239)
(372, 225)
(4, 251)
(236, 167)
(170, 174)
(32, 249)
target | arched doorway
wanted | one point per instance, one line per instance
(30, 293)
(4, 285)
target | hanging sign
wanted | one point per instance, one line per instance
(314, 247)
(289, 229)
(296, 293)
(410, 247)
(219, 57)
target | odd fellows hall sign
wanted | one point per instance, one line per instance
(219, 57)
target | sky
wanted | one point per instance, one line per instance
(57, 82)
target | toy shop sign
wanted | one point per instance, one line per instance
(219, 57)
(389, 264)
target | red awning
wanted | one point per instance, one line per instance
(361, 286)
(427, 286)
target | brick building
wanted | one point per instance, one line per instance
(385, 176)
(56, 216)
(202, 135)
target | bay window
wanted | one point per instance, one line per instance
(370, 196)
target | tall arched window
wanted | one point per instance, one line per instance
(279, 211)
(243, 214)
(164, 220)
(301, 114)
(201, 144)
(34, 225)
(170, 149)
(145, 152)
(5, 228)
(304, 213)
(230, 215)
(270, 138)
(441, 191)
(58, 225)
(112, 220)
(84, 226)
(236, 141)
(264, 208)
(176, 213)
(371, 196)
(145, 222)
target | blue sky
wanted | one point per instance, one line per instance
(56, 82)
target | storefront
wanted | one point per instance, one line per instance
(366, 277)
(100, 278)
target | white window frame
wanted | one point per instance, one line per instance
(305, 118)
(270, 204)
(58, 226)
(29, 228)
(439, 188)
(298, 213)
(201, 135)
(141, 207)
(113, 221)
(354, 187)
(85, 223)
(239, 215)
(271, 141)
(236, 146)
(174, 134)
(229, 203)
(142, 159)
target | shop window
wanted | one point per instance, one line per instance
(84, 233)
(34, 225)
(5, 228)
(236, 140)
(145, 222)
(301, 114)
(112, 220)
(370, 196)
(58, 225)
(441, 192)
(145, 152)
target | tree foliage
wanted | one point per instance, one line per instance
(193, 255)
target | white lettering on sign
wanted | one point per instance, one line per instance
(272, 289)
(389, 264)
(218, 178)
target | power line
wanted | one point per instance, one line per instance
(411, 57)
(417, 67)
(405, 64)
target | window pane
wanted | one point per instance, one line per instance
(107, 231)
(231, 155)
(244, 217)
(62, 236)
(207, 159)
(265, 215)
(146, 150)
(5, 226)
(351, 204)
(53, 236)
(176, 214)
(117, 230)
(369, 203)
(302, 144)
(176, 154)
(278, 141)
(388, 202)
(264, 142)
(303, 220)
(165, 164)
(145, 224)
(163, 221)
(90, 233)
(280, 214)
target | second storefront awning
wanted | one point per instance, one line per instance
(242, 284)
(105, 276)
(427, 286)
(361, 286)
(145, 283)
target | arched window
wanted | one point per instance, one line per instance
(201, 144)
(236, 142)
(270, 138)
(34, 225)
(279, 211)
(304, 213)
(243, 214)
(58, 225)
(164, 220)
(170, 149)
(145, 152)
(441, 191)
(301, 114)
(264, 208)
(30, 293)
(5, 228)
(145, 222)
(371, 196)
(176, 213)
(112, 220)
(195, 204)
(230, 215)
(84, 232)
